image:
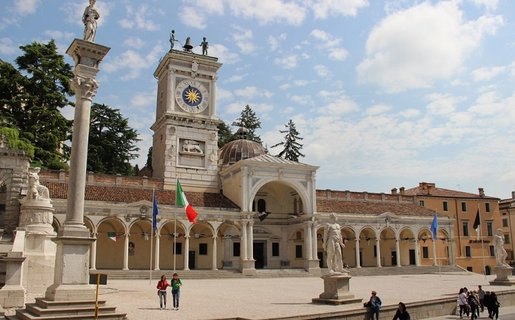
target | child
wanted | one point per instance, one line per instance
(176, 290)
(161, 291)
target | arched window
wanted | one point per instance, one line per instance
(261, 205)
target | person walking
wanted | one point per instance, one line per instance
(495, 306)
(401, 313)
(161, 291)
(463, 303)
(176, 290)
(481, 294)
(473, 302)
(374, 305)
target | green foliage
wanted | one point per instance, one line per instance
(111, 142)
(291, 150)
(11, 137)
(149, 158)
(31, 99)
(225, 134)
(249, 121)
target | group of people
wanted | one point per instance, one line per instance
(162, 286)
(472, 302)
(374, 305)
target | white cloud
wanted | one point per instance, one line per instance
(25, 7)
(287, 61)
(276, 42)
(192, 17)
(329, 43)
(302, 99)
(337, 103)
(322, 71)
(243, 40)
(443, 104)
(377, 109)
(251, 92)
(488, 4)
(59, 35)
(338, 54)
(425, 43)
(224, 55)
(223, 94)
(132, 62)
(138, 18)
(235, 78)
(268, 11)
(487, 73)
(144, 100)
(134, 42)
(410, 113)
(324, 8)
(7, 46)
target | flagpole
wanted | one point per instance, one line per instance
(174, 240)
(482, 242)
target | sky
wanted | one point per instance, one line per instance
(385, 94)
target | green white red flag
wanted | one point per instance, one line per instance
(182, 201)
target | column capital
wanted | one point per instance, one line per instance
(84, 87)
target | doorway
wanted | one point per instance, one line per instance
(259, 248)
(394, 258)
(191, 260)
(412, 259)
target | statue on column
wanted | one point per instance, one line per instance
(333, 246)
(500, 252)
(89, 18)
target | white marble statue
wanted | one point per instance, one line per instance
(500, 252)
(192, 146)
(333, 246)
(36, 191)
(89, 18)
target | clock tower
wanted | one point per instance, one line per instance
(185, 141)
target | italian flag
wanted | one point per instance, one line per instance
(183, 202)
(112, 236)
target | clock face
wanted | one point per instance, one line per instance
(192, 96)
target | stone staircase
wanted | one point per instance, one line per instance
(45, 310)
(271, 273)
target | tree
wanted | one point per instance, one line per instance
(292, 148)
(225, 134)
(31, 100)
(249, 121)
(111, 142)
(149, 158)
(11, 137)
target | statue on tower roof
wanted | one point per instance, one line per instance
(172, 39)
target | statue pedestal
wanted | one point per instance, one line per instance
(336, 290)
(503, 276)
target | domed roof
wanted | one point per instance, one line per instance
(240, 149)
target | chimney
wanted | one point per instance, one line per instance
(481, 192)
(401, 190)
(394, 191)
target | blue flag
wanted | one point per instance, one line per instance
(155, 212)
(434, 227)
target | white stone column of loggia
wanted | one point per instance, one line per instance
(71, 276)
(214, 267)
(378, 252)
(358, 261)
(126, 252)
(93, 254)
(186, 252)
(243, 245)
(398, 249)
(156, 251)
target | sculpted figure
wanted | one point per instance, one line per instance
(333, 246)
(191, 146)
(89, 18)
(172, 39)
(204, 44)
(36, 191)
(500, 252)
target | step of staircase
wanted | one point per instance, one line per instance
(44, 310)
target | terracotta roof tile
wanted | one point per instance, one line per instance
(441, 192)
(371, 207)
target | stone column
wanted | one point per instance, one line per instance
(417, 252)
(156, 251)
(71, 275)
(214, 254)
(93, 257)
(126, 252)
(186, 252)
(250, 242)
(358, 261)
(314, 241)
(307, 241)
(435, 262)
(378, 252)
(243, 244)
(398, 249)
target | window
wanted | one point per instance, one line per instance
(178, 248)
(421, 203)
(445, 206)
(375, 251)
(261, 205)
(235, 249)
(465, 228)
(425, 252)
(463, 206)
(202, 249)
(505, 223)
(298, 251)
(467, 251)
(487, 207)
(275, 249)
(489, 229)
(506, 238)
(492, 251)
(469, 269)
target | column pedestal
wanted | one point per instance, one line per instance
(336, 290)
(12, 294)
(248, 267)
(503, 276)
(312, 266)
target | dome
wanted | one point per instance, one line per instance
(241, 149)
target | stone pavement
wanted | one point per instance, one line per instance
(265, 298)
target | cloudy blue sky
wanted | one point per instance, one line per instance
(385, 93)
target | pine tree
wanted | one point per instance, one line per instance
(111, 142)
(148, 164)
(292, 148)
(225, 134)
(249, 121)
(31, 99)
